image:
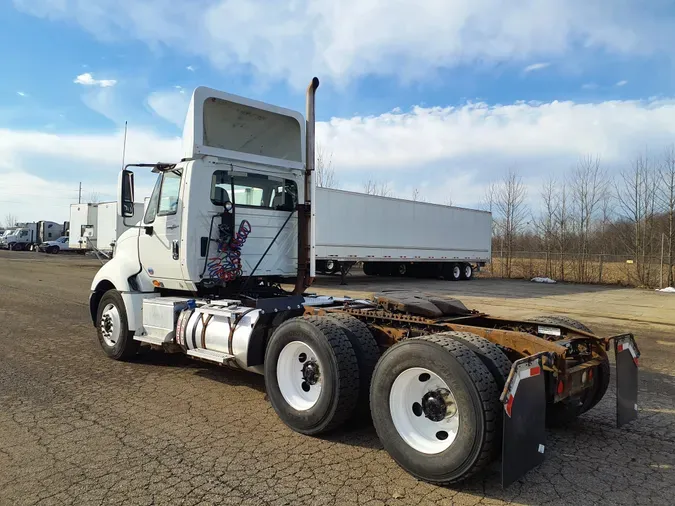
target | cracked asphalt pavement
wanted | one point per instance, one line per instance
(79, 428)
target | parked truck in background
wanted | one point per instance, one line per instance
(397, 237)
(219, 267)
(28, 235)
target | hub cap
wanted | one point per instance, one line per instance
(111, 325)
(424, 410)
(467, 271)
(456, 272)
(299, 374)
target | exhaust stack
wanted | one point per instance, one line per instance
(304, 278)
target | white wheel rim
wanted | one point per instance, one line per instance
(110, 324)
(292, 363)
(329, 265)
(412, 423)
(467, 271)
(456, 272)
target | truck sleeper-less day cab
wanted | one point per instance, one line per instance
(231, 224)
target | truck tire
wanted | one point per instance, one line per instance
(112, 327)
(452, 271)
(562, 413)
(400, 270)
(417, 385)
(332, 266)
(489, 353)
(320, 392)
(467, 272)
(367, 354)
(53, 250)
(369, 269)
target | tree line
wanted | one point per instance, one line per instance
(587, 218)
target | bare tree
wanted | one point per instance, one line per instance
(416, 196)
(373, 187)
(325, 172)
(561, 228)
(10, 220)
(667, 195)
(546, 224)
(94, 198)
(606, 210)
(636, 195)
(588, 186)
(511, 211)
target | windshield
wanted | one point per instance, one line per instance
(62, 239)
(6, 233)
(254, 190)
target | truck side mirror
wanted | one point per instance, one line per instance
(125, 194)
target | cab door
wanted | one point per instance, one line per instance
(159, 242)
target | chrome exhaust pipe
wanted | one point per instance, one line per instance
(305, 269)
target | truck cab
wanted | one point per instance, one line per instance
(228, 210)
(20, 238)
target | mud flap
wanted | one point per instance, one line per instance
(524, 437)
(627, 355)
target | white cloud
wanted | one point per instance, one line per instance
(87, 79)
(622, 83)
(21, 93)
(589, 86)
(170, 105)
(536, 66)
(39, 171)
(476, 143)
(190, 68)
(445, 151)
(341, 41)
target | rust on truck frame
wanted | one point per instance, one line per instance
(518, 338)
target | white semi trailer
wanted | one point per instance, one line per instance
(110, 225)
(232, 224)
(397, 237)
(82, 234)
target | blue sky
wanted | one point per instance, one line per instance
(443, 96)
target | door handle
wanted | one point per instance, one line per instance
(171, 227)
(174, 249)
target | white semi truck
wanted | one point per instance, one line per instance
(29, 235)
(219, 267)
(397, 237)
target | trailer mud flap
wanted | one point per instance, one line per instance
(627, 355)
(524, 435)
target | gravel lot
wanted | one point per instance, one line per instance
(79, 428)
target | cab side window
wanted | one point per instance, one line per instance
(168, 196)
(151, 210)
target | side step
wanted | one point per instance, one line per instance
(151, 340)
(211, 356)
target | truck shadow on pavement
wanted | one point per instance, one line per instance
(224, 375)
(590, 461)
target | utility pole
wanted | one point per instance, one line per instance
(79, 194)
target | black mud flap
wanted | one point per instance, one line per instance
(524, 400)
(627, 355)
